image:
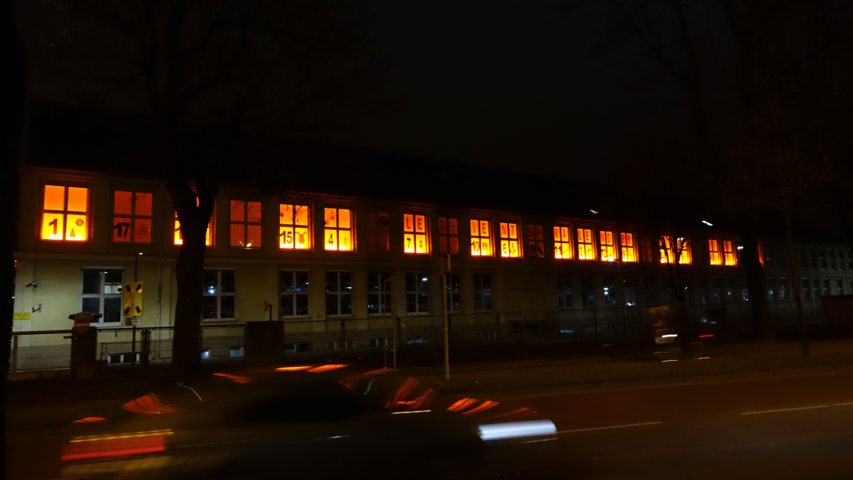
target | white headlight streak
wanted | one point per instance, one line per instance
(531, 428)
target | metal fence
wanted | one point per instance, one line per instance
(124, 346)
(127, 346)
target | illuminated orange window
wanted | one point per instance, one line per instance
(714, 257)
(415, 234)
(586, 249)
(535, 241)
(729, 257)
(606, 245)
(510, 243)
(628, 247)
(338, 231)
(562, 243)
(448, 235)
(294, 227)
(378, 235)
(481, 238)
(682, 249)
(65, 216)
(245, 222)
(208, 234)
(132, 217)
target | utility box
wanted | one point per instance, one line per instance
(264, 342)
(84, 342)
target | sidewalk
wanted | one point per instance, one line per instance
(603, 369)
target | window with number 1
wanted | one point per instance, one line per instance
(132, 217)
(65, 216)
(294, 227)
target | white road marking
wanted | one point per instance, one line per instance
(784, 410)
(609, 427)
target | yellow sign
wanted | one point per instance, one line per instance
(22, 316)
(131, 299)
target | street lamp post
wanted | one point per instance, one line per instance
(445, 271)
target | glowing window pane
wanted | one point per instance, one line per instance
(685, 256)
(65, 215)
(714, 257)
(562, 243)
(78, 199)
(729, 253)
(510, 245)
(75, 228)
(338, 231)
(586, 249)
(608, 249)
(53, 226)
(245, 228)
(628, 248)
(123, 203)
(132, 216)
(54, 197)
(293, 227)
(415, 240)
(481, 242)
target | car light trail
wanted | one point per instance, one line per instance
(532, 428)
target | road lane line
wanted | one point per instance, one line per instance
(609, 427)
(784, 410)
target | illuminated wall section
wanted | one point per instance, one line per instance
(65, 216)
(586, 248)
(132, 217)
(606, 245)
(294, 227)
(562, 243)
(628, 247)
(448, 235)
(510, 244)
(481, 238)
(415, 234)
(338, 232)
(245, 223)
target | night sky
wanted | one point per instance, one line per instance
(517, 84)
(538, 87)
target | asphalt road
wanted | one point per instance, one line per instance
(774, 426)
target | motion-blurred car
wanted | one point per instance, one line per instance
(326, 421)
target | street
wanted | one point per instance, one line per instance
(780, 427)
